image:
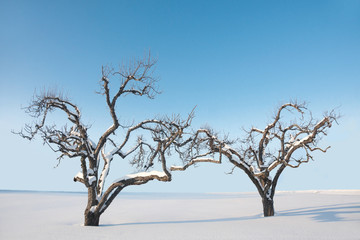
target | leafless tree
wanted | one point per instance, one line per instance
(264, 153)
(96, 157)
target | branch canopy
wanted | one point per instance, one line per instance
(287, 141)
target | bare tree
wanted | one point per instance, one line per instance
(96, 157)
(264, 153)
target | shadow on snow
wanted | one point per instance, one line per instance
(327, 213)
(187, 221)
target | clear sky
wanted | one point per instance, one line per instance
(235, 60)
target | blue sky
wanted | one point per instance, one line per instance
(236, 60)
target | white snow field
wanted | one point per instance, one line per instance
(299, 215)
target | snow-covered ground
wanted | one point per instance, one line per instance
(299, 215)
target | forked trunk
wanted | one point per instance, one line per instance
(91, 219)
(268, 206)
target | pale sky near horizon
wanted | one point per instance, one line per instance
(235, 60)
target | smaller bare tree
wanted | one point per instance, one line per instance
(264, 153)
(96, 157)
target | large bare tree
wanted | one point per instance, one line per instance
(95, 158)
(288, 141)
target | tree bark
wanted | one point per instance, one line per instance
(91, 219)
(268, 206)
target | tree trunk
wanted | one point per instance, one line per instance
(91, 219)
(268, 206)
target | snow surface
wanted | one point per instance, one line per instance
(146, 174)
(141, 174)
(79, 175)
(300, 215)
(91, 179)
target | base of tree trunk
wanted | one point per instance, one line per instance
(268, 206)
(91, 219)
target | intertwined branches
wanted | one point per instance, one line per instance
(136, 79)
(69, 141)
(165, 133)
(278, 142)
